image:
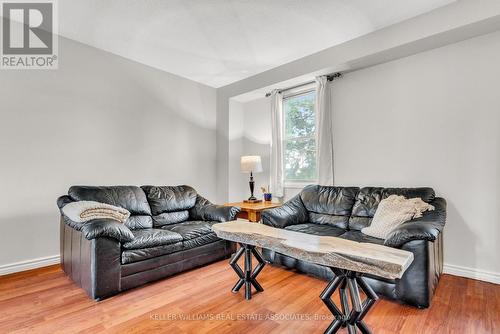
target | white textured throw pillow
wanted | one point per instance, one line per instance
(83, 211)
(394, 211)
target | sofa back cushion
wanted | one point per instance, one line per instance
(170, 204)
(329, 205)
(136, 222)
(131, 198)
(368, 199)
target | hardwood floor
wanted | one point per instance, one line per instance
(46, 301)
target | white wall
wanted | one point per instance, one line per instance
(239, 186)
(249, 134)
(99, 120)
(446, 25)
(432, 119)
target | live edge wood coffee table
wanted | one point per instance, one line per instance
(348, 260)
(251, 211)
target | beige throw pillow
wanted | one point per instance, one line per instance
(394, 211)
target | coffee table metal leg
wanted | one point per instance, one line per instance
(248, 273)
(248, 277)
(233, 263)
(351, 316)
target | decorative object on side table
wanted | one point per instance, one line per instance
(252, 211)
(251, 164)
(268, 197)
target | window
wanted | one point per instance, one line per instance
(299, 142)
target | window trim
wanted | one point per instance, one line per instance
(298, 90)
(297, 184)
(297, 93)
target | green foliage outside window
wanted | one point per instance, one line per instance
(299, 137)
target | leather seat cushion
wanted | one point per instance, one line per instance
(329, 205)
(134, 255)
(200, 241)
(194, 233)
(152, 237)
(368, 198)
(361, 237)
(131, 198)
(138, 222)
(170, 198)
(190, 229)
(316, 229)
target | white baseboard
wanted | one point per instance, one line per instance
(482, 275)
(29, 264)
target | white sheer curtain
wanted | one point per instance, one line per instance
(324, 132)
(276, 176)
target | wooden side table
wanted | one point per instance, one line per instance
(251, 211)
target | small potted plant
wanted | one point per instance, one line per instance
(268, 197)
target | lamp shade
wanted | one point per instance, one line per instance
(251, 163)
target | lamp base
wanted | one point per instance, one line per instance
(252, 201)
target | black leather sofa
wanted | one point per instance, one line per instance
(344, 211)
(169, 231)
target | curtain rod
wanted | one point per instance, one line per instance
(330, 77)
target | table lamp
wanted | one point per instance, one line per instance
(251, 164)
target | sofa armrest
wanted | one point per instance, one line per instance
(292, 212)
(426, 227)
(205, 210)
(63, 200)
(94, 265)
(97, 228)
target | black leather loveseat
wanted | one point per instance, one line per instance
(344, 211)
(169, 231)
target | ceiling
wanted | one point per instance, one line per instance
(218, 42)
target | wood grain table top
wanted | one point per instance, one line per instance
(335, 252)
(254, 206)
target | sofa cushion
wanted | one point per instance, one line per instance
(152, 237)
(194, 233)
(131, 198)
(152, 242)
(368, 198)
(200, 241)
(329, 205)
(168, 218)
(190, 229)
(170, 198)
(135, 255)
(316, 229)
(425, 193)
(360, 237)
(137, 222)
